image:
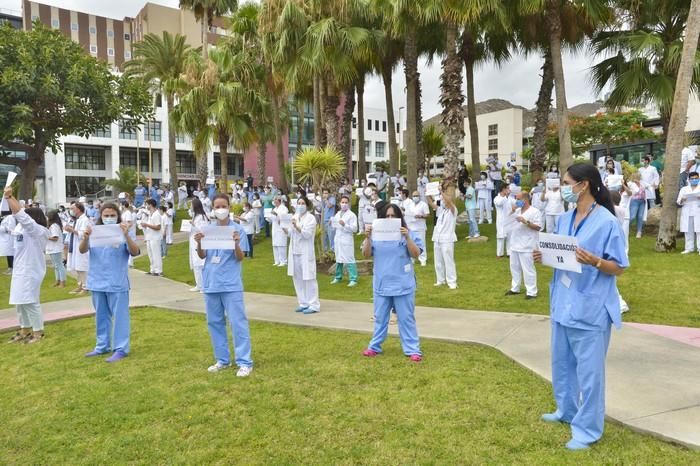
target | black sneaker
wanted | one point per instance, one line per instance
(511, 293)
(531, 297)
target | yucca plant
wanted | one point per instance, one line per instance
(319, 166)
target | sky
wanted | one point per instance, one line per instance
(517, 81)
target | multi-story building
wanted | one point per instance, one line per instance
(376, 138)
(11, 17)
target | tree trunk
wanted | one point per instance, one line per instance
(544, 105)
(205, 30)
(300, 125)
(412, 112)
(317, 112)
(666, 240)
(29, 170)
(172, 151)
(262, 155)
(348, 110)
(361, 156)
(223, 156)
(202, 168)
(469, 59)
(389, 99)
(553, 21)
(451, 99)
(330, 116)
(279, 130)
(322, 111)
(420, 152)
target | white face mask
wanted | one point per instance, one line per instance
(109, 220)
(221, 214)
(301, 208)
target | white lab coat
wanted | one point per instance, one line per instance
(30, 263)
(197, 223)
(504, 215)
(650, 179)
(301, 246)
(344, 244)
(76, 260)
(690, 208)
(7, 246)
(279, 237)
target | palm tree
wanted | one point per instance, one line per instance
(160, 61)
(688, 68)
(124, 181)
(205, 11)
(319, 167)
(433, 144)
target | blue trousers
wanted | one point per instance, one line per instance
(408, 332)
(578, 379)
(112, 322)
(328, 238)
(219, 306)
(473, 226)
(637, 213)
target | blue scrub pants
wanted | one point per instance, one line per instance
(112, 309)
(328, 238)
(578, 379)
(219, 306)
(408, 332)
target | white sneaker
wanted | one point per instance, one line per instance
(422, 264)
(452, 287)
(439, 284)
(196, 288)
(218, 367)
(275, 264)
(687, 252)
(244, 371)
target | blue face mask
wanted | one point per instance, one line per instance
(519, 204)
(694, 182)
(568, 194)
(109, 220)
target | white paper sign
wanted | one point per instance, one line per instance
(393, 180)
(210, 180)
(368, 216)
(270, 179)
(614, 181)
(386, 229)
(358, 191)
(396, 201)
(268, 212)
(357, 182)
(186, 225)
(106, 236)
(432, 189)
(218, 237)
(552, 183)
(480, 185)
(559, 251)
(285, 221)
(693, 195)
(311, 196)
(335, 223)
(10, 178)
(515, 190)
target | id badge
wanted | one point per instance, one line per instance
(565, 280)
(216, 260)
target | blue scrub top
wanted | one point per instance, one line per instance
(212, 191)
(328, 212)
(393, 269)
(590, 302)
(153, 193)
(223, 275)
(109, 269)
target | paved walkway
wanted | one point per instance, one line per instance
(653, 381)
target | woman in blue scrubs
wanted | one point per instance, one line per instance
(108, 282)
(584, 305)
(394, 286)
(223, 293)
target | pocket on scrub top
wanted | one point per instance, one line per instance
(586, 307)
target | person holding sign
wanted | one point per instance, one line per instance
(152, 232)
(108, 282)
(223, 293)
(584, 305)
(523, 241)
(30, 238)
(345, 226)
(416, 214)
(279, 236)
(77, 261)
(394, 286)
(444, 238)
(689, 200)
(505, 221)
(484, 188)
(301, 261)
(554, 206)
(199, 220)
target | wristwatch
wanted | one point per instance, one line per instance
(599, 263)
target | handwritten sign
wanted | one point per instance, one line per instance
(386, 229)
(614, 181)
(311, 196)
(552, 183)
(270, 179)
(186, 226)
(218, 237)
(285, 220)
(432, 189)
(210, 180)
(106, 236)
(358, 191)
(559, 251)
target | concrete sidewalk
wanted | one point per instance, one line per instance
(653, 382)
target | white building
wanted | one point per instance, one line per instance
(500, 136)
(376, 137)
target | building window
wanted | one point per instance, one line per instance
(231, 168)
(73, 26)
(127, 37)
(368, 145)
(84, 158)
(127, 158)
(77, 186)
(397, 128)
(93, 49)
(110, 52)
(186, 163)
(55, 23)
(126, 133)
(353, 147)
(180, 138)
(127, 55)
(105, 132)
(354, 122)
(493, 130)
(384, 126)
(493, 144)
(152, 131)
(34, 18)
(93, 30)
(379, 149)
(110, 33)
(159, 100)
(376, 125)
(369, 125)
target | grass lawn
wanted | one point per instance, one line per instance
(319, 402)
(658, 287)
(48, 292)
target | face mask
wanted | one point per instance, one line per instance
(221, 214)
(519, 204)
(483, 177)
(540, 184)
(568, 194)
(109, 220)
(416, 199)
(301, 209)
(694, 182)
(344, 207)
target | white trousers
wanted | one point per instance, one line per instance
(550, 223)
(423, 258)
(169, 234)
(445, 270)
(522, 267)
(626, 231)
(503, 246)
(691, 237)
(484, 210)
(82, 277)
(154, 255)
(182, 203)
(30, 315)
(198, 276)
(280, 254)
(307, 290)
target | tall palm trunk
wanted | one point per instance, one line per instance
(451, 99)
(172, 150)
(389, 100)
(223, 156)
(666, 240)
(262, 158)
(330, 116)
(202, 168)
(279, 130)
(361, 156)
(322, 110)
(346, 145)
(468, 53)
(300, 124)
(544, 105)
(317, 112)
(553, 20)
(412, 107)
(205, 30)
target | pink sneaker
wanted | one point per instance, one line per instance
(370, 353)
(415, 357)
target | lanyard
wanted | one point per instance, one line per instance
(573, 218)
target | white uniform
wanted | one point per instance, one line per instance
(483, 199)
(553, 209)
(30, 262)
(504, 224)
(76, 261)
(169, 216)
(153, 240)
(422, 185)
(650, 180)
(279, 237)
(301, 261)
(418, 225)
(343, 242)
(444, 238)
(690, 217)
(7, 246)
(196, 264)
(625, 200)
(248, 222)
(181, 197)
(523, 241)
